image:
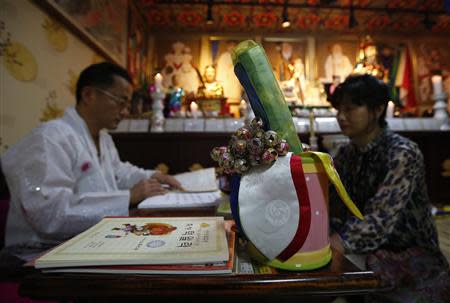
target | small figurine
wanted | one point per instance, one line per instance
(210, 88)
(175, 101)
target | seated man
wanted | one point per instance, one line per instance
(66, 175)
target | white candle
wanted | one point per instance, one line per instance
(437, 84)
(390, 110)
(243, 112)
(194, 110)
(158, 81)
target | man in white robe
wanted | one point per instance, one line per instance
(66, 175)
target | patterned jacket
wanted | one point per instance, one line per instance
(386, 180)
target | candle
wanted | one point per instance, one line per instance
(158, 81)
(390, 110)
(243, 108)
(194, 110)
(437, 84)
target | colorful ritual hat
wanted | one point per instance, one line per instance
(281, 207)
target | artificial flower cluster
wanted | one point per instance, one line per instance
(250, 146)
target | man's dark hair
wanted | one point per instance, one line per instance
(362, 90)
(100, 75)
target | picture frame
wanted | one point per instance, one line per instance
(292, 60)
(177, 58)
(348, 52)
(104, 28)
(432, 58)
(219, 49)
(138, 61)
(299, 49)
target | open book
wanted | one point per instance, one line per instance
(143, 240)
(200, 187)
(202, 180)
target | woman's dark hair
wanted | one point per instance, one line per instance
(362, 90)
(100, 75)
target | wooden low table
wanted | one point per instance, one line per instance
(339, 278)
(174, 212)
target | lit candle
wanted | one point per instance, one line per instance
(158, 81)
(243, 109)
(390, 110)
(194, 110)
(243, 104)
(437, 84)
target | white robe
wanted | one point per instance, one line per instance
(59, 186)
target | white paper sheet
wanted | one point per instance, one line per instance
(182, 200)
(198, 181)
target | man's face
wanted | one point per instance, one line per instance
(113, 103)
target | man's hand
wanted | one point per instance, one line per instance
(144, 189)
(167, 179)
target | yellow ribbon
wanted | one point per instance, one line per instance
(333, 176)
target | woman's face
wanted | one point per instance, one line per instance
(357, 122)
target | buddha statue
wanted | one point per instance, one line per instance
(211, 88)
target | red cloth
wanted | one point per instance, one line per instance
(408, 83)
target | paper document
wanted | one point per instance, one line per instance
(198, 181)
(183, 199)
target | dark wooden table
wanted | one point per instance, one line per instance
(339, 278)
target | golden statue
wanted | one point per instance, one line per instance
(210, 87)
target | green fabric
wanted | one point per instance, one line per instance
(254, 60)
(393, 92)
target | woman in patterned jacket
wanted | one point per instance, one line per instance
(384, 174)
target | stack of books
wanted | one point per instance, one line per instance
(140, 245)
